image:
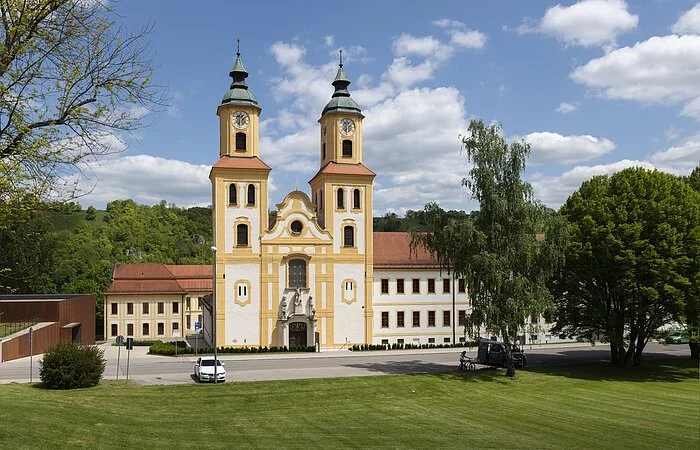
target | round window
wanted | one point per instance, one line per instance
(296, 227)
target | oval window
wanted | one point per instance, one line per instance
(296, 227)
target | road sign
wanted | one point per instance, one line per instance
(129, 343)
(120, 340)
(197, 326)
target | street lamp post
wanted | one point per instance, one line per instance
(213, 321)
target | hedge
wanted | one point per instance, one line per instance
(396, 346)
(168, 349)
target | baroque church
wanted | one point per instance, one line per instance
(316, 274)
(313, 274)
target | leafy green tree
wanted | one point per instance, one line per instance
(497, 250)
(91, 213)
(632, 262)
(691, 316)
(69, 78)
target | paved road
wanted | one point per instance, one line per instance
(148, 369)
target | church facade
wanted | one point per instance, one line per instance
(316, 273)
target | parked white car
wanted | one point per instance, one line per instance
(204, 369)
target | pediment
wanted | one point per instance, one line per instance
(297, 206)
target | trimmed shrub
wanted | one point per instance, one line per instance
(72, 366)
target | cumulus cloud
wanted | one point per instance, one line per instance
(661, 69)
(692, 109)
(554, 190)
(553, 148)
(147, 179)
(566, 108)
(680, 159)
(689, 22)
(586, 23)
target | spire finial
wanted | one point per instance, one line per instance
(238, 47)
(341, 57)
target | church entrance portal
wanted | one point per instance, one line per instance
(297, 334)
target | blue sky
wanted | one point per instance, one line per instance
(594, 86)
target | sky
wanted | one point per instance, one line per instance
(593, 86)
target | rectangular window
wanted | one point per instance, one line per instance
(130, 329)
(146, 330)
(385, 319)
(462, 286)
(446, 319)
(176, 308)
(399, 341)
(114, 309)
(385, 341)
(161, 307)
(176, 326)
(385, 285)
(199, 319)
(199, 303)
(446, 340)
(129, 308)
(431, 318)
(114, 328)
(416, 285)
(189, 322)
(399, 319)
(431, 340)
(462, 317)
(416, 318)
(144, 307)
(431, 285)
(462, 340)
(399, 286)
(187, 303)
(445, 285)
(161, 328)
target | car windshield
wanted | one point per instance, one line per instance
(210, 362)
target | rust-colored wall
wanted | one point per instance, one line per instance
(69, 310)
(42, 338)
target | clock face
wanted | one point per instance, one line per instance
(347, 127)
(240, 119)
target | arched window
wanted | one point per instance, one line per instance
(297, 273)
(242, 235)
(356, 199)
(232, 191)
(347, 148)
(240, 141)
(323, 152)
(341, 199)
(251, 195)
(348, 236)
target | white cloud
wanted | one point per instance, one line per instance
(448, 23)
(692, 109)
(554, 190)
(689, 22)
(468, 38)
(586, 23)
(680, 159)
(566, 108)
(547, 147)
(660, 69)
(147, 179)
(407, 44)
(329, 40)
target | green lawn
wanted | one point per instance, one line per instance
(594, 406)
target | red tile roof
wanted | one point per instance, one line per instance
(241, 162)
(344, 169)
(393, 250)
(154, 278)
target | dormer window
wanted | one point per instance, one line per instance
(240, 142)
(347, 148)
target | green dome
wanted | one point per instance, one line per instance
(341, 100)
(238, 93)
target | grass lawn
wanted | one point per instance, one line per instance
(591, 406)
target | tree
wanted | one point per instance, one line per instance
(69, 79)
(508, 250)
(632, 262)
(691, 314)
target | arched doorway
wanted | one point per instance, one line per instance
(297, 334)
